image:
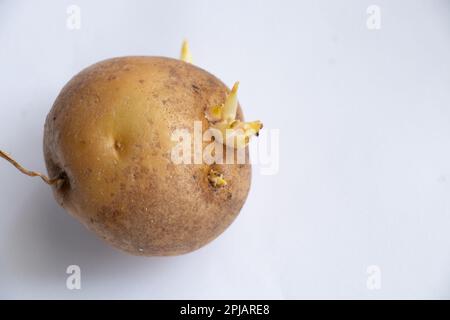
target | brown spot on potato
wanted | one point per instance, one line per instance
(196, 89)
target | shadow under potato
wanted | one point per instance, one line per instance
(46, 239)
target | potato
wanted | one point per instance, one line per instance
(108, 136)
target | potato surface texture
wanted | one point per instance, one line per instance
(109, 135)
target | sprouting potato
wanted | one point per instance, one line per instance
(107, 147)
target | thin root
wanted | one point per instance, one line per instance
(58, 180)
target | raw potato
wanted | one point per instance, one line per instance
(109, 136)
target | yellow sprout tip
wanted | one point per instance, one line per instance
(235, 87)
(216, 179)
(186, 55)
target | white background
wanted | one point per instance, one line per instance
(364, 119)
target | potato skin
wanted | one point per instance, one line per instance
(109, 134)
